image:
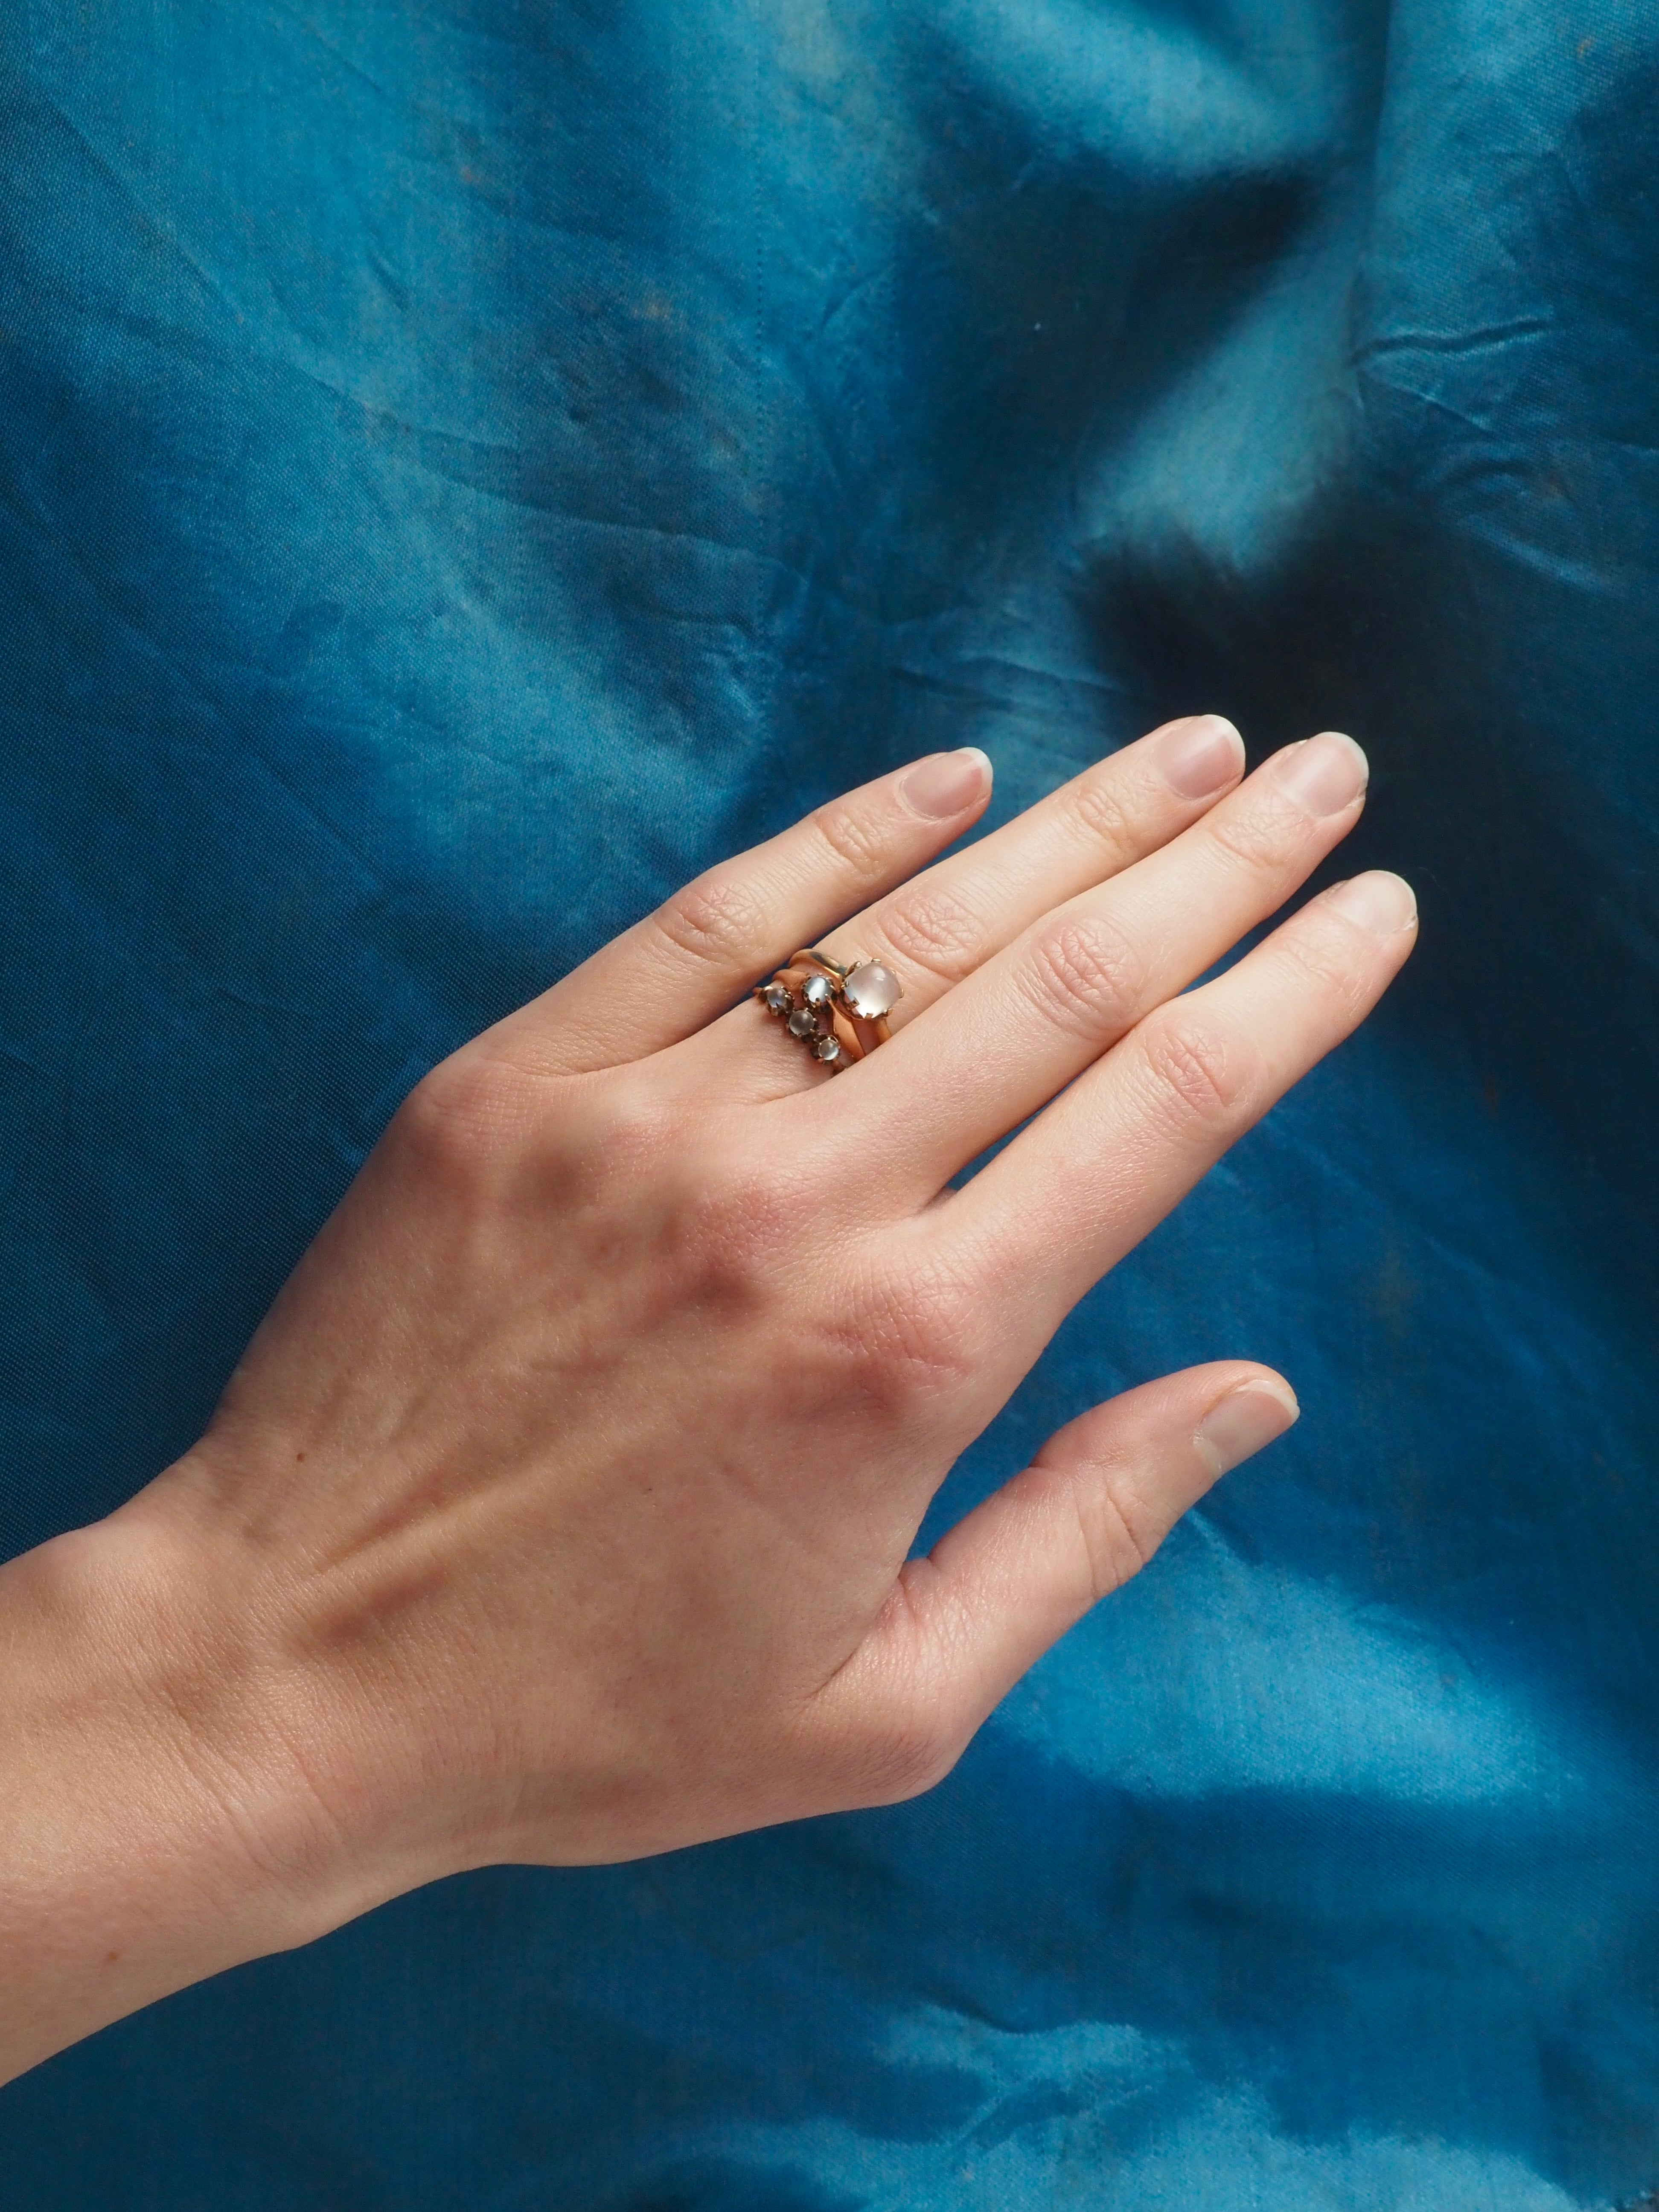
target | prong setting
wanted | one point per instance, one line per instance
(838, 1014)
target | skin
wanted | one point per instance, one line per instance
(561, 1508)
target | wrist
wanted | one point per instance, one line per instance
(159, 1817)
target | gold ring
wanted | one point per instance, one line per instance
(839, 1013)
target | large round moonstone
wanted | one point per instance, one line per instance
(871, 990)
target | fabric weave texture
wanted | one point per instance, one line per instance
(464, 467)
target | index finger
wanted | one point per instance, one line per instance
(679, 967)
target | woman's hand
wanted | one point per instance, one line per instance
(561, 1508)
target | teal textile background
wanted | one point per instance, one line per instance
(463, 464)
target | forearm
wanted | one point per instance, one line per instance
(154, 1828)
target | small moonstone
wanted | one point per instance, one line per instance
(803, 1022)
(872, 991)
(828, 1049)
(818, 990)
(777, 998)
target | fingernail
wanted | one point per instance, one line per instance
(1325, 774)
(1378, 902)
(947, 782)
(1197, 756)
(1242, 1422)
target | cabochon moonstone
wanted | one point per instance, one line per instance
(871, 990)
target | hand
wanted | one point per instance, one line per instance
(560, 1510)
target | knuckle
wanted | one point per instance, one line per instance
(471, 1112)
(934, 929)
(1323, 958)
(717, 920)
(1261, 834)
(1099, 808)
(740, 1228)
(1126, 1541)
(628, 1128)
(1205, 1074)
(1086, 975)
(905, 1340)
(908, 1753)
(854, 838)
(1106, 1548)
(1114, 1533)
(680, 1230)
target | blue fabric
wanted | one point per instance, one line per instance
(466, 466)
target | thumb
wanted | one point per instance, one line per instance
(966, 1622)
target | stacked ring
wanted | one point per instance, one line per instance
(839, 1013)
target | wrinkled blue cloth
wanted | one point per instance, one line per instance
(462, 468)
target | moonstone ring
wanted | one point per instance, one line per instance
(838, 1014)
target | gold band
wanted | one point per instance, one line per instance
(839, 1013)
